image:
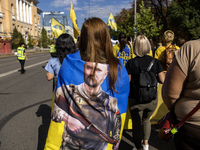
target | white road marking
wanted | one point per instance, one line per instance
(16, 70)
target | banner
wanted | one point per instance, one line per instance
(111, 22)
(74, 21)
(93, 114)
(56, 28)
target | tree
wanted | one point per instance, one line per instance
(127, 25)
(44, 37)
(124, 22)
(31, 41)
(159, 9)
(184, 18)
(16, 39)
(125, 19)
(146, 22)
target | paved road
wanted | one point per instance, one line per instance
(25, 104)
(25, 101)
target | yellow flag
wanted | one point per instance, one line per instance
(74, 21)
(56, 28)
(111, 22)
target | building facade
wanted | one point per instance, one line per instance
(60, 17)
(22, 14)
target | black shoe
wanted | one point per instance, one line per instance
(22, 72)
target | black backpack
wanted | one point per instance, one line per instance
(145, 88)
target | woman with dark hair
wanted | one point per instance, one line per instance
(64, 46)
(92, 93)
(141, 112)
(123, 50)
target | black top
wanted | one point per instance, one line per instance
(143, 62)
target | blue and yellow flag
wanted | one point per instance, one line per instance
(100, 115)
(111, 22)
(56, 28)
(74, 21)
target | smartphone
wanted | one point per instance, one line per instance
(128, 38)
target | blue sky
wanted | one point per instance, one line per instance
(86, 8)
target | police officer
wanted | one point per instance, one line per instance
(21, 56)
(52, 48)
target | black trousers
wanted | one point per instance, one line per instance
(22, 62)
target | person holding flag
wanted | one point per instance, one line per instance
(91, 96)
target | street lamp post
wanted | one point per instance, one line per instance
(135, 19)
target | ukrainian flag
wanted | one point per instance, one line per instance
(56, 28)
(74, 21)
(111, 22)
(72, 72)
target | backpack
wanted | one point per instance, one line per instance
(145, 88)
(168, 57)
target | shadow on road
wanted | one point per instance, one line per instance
(154, 142)
(43, 111)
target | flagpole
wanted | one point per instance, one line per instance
(135, 19)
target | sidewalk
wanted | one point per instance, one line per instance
(28, 51)
(154, 142)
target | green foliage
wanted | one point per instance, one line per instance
(154, 17)
(44, 38)
(127, 26)
(44, 41)
(124, 22)
(16, 39)
(31, 41)
(146, 23)
(185, 20)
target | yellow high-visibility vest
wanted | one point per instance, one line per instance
(20, 53)
(52, 49)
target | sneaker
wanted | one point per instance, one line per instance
(134, 148)
(145, 147)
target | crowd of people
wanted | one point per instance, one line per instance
(96, 81)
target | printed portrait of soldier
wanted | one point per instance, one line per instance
(92, 118)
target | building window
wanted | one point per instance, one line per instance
(13, 26)
(22, 30)
(12, 9)
(1, 27)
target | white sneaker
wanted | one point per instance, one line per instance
(145, 147)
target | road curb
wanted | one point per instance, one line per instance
(31, 51)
